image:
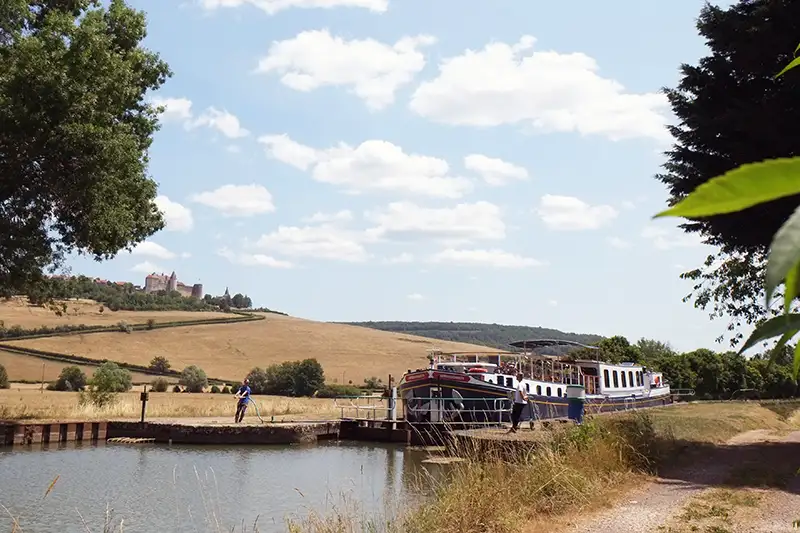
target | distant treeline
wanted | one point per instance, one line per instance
(492, 335)
(126, 297)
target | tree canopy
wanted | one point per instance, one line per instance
(731, 111)
(75, 130)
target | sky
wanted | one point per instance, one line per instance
(349, 160)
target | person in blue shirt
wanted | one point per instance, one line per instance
(244, 396)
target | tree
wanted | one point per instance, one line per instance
(160, 364)
(71, 378)
(238, 301)
(4, 383)
(259, 380)
(110, 377)
(733, 111)
(75, 130)
(193, 379)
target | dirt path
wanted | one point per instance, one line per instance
(657, 504)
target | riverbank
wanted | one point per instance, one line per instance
(32, 404)
(576, 472)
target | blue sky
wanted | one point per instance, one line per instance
(418, 160)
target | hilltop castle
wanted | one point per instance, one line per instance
(161, 282)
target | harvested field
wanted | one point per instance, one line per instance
(17, 312)
(23, 367)
(231, 350)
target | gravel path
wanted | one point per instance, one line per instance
(654, 504)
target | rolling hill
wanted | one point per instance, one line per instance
(492, 335)
(229, 351)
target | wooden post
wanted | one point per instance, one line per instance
(143, 397)
(41, 389)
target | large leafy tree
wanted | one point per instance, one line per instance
(74, 134)
(732, 110)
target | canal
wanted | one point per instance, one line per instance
(192, 488)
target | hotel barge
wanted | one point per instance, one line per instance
(479, 386)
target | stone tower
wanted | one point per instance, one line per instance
(172, 284)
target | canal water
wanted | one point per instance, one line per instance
(209, 489)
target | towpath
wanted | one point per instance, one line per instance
(746, 485)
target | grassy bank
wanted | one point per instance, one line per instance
(575, 470)
(33, 404)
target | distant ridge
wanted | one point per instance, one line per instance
(492, 335)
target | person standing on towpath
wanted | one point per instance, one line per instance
(244, 396)
(520, 401)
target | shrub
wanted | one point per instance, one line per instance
(337, 391)
(4, 383)
(159, 364)
(258, 380)
(110, 377)
(194, 379)
(70, 379)
(214, 389)
(124, 327)
(101, 309)
(294, 378)
(151, 323)
(372, 383)
(159, 385)
(176, 388)
(226, 390)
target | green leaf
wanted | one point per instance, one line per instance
(797, 49)
(742, 187)
(772, 328)
(790, 66)
(796, 365)
(784, 253)
(791, 288)
(781, 343)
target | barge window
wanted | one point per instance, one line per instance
(638, 379)
(527, 387)
(624, 382)
(616, 379)
(605, 378)
(548, 391)
(539, 390)
(630, 377)
(559, 393)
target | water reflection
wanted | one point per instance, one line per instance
(205, 488)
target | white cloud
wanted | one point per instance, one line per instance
(345, 215)
(151, 249)
(180, 110)
(400, 259)
(568, 213)
(185, 255)
(373, 70)
(509, 84)
(237, 200)
(270, 7)
(491, 258)
(494, 171)
(415, 296)
(667, 238)
(616, 242)
(175, 109)
(146, 267)
(464, 222)
(321, 242)
(176, 216)
(220, 120)
(371, 166)
(553, 303)
(246, 259)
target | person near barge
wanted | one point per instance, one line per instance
(243, 394)
(520, 401)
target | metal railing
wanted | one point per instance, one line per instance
(351, 405)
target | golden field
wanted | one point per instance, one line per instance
(24, 367)
(17, 312)
(26, 402)
(230, 351)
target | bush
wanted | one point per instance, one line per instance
(295, 378)
(160, 364)
(159, 385)
(4, 383)
(337, 391)
(176, 388)
(151, 323)
(194, 379)
(124, 327)
(214, 389)
(110, 377)
(226, 390)
(70, 379)
(372, 383)
(258, 380)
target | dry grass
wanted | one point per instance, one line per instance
(231, 350)
(17, 312)
(51, 405)
(24, 367)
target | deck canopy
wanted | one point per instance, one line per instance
(533, 344)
